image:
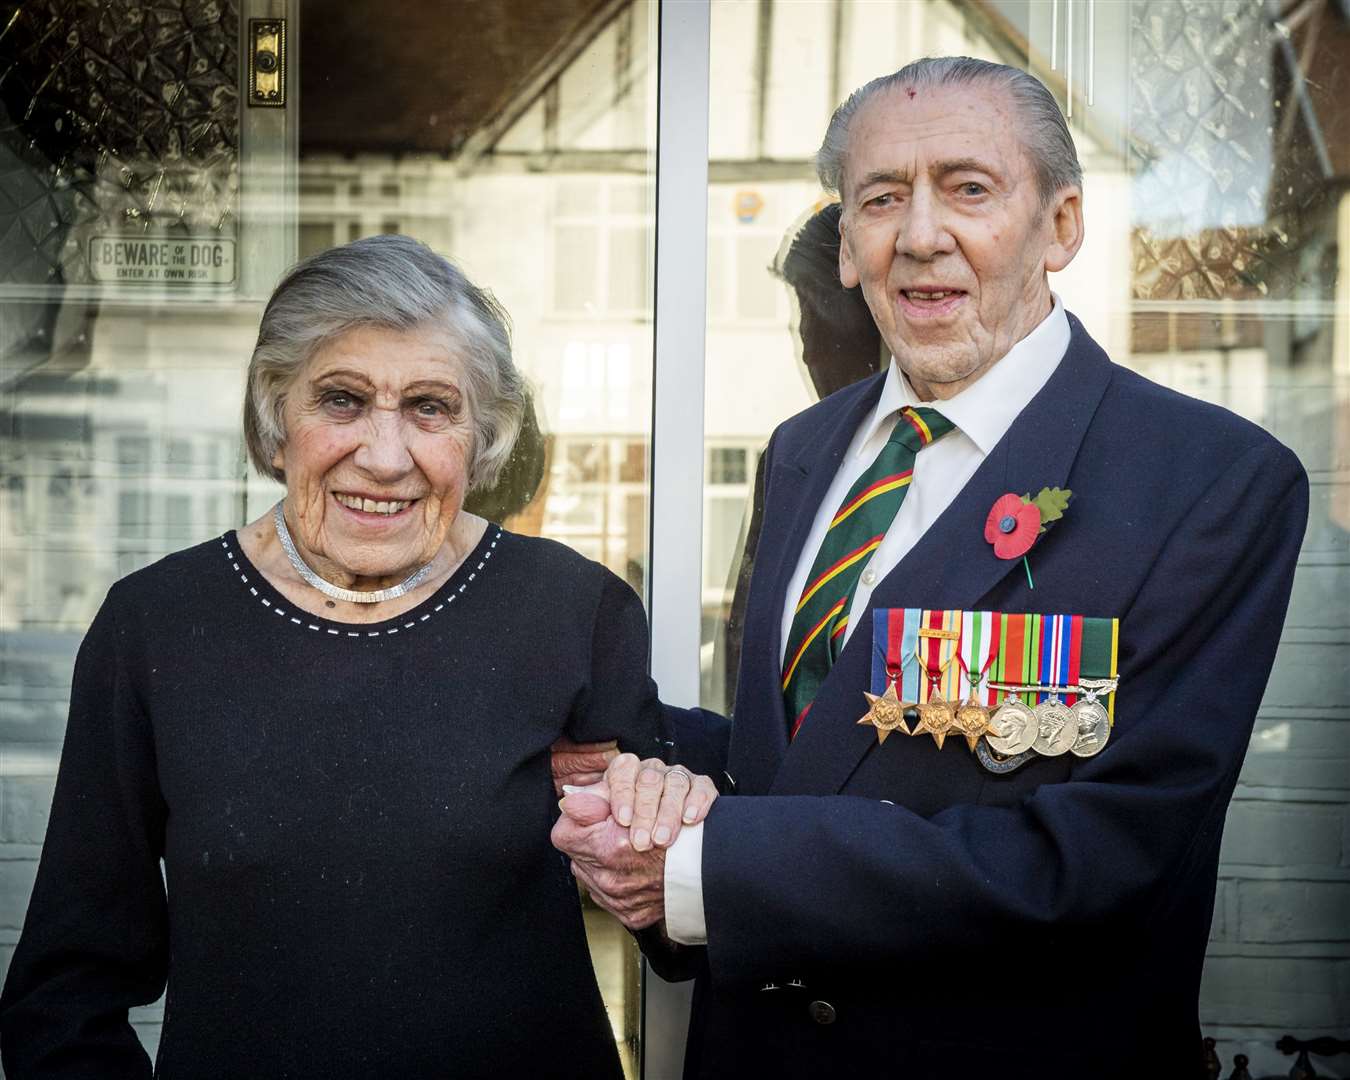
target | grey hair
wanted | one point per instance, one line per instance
(1045, 135)
(397, 283)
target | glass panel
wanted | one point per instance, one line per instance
(147, 210)
(1216, 145)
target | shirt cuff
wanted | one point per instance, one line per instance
(685, 923)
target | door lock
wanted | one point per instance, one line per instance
(267, 62)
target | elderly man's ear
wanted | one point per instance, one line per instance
(1066, 221)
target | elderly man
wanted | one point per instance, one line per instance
(899, 885)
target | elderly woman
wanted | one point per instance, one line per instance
(333, 727)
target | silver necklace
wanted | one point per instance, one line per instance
(327, 587)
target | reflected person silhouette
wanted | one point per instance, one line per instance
(837, 343)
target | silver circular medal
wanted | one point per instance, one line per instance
(1015, 722)
(1094, 727)
(1056, 730)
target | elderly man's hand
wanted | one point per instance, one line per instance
(579, 764)
(654, 799)
(629, 884)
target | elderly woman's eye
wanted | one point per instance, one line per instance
(340, 401)
(436, 409)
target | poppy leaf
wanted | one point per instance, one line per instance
(1051, 502)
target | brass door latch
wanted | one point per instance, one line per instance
(267, 62)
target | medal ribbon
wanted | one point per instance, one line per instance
(980, 644)
(1099, 655)
(1012, 648)
(941, 677)
(894, 633)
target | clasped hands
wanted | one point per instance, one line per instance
(619, 815)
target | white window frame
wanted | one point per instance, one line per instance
(680, 293)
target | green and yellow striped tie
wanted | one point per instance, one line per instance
(818, 626)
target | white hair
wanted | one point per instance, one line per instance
(400, 284)
(1045, 135)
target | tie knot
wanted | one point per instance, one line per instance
(916, 427)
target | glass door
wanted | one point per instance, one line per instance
(1215, 140)
(161, 164)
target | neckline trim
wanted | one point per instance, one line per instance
(409, 620)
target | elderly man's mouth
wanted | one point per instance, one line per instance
(931, 301)
(384, 507)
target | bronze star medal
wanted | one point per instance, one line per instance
(972, 721)
(886, 714)
(937, 717)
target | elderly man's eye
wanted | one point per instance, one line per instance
(972, 189)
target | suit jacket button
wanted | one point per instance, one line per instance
(822, 1012)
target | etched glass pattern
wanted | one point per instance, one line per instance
(116, 117)
(1227, 184)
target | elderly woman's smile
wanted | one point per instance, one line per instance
(379, 435)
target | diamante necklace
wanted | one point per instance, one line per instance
(327, 587)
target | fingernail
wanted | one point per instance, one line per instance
(689, 814)
(641, 839)
(570, 789)
(662, 835)
(625, 816)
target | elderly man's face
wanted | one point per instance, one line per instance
(377, 452)
(942, 226)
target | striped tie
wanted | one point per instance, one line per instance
(818, 626)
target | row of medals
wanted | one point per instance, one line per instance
(1050, 728)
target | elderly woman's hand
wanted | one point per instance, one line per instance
(654, 800)
(579, 765)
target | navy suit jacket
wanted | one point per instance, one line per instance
(1051, 922)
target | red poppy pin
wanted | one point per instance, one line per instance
(1016, 521)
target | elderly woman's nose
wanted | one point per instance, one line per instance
(384, 452)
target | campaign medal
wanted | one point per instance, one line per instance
(1094, 722)
(1014, 726)
(886, 713)
(1094, 726)
(1056, 728)
(939, 641)
(978, 648)
(894, 707)
(1013, 722)
(1097, 675)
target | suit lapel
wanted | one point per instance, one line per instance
(952, 565)
(796, 486)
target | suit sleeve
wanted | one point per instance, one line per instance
(619, 697)
(95, 941)
(798, 883)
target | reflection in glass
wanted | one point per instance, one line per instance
(521, 147)
(1215, 138)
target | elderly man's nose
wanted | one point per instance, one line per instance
(924, 232)
(384, 451)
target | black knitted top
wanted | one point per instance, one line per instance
(353, 822)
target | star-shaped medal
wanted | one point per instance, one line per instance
(886, 713)
(937, 717)
(972, 721)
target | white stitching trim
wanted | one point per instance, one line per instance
(370, 633)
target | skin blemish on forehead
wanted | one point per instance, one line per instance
(911, 92)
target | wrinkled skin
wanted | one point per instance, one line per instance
(939, 196)
(380, 414)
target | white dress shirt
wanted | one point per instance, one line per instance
(982, 412)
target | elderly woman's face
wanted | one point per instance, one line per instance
(377, 452)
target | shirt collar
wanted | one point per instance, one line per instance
(986, 409)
